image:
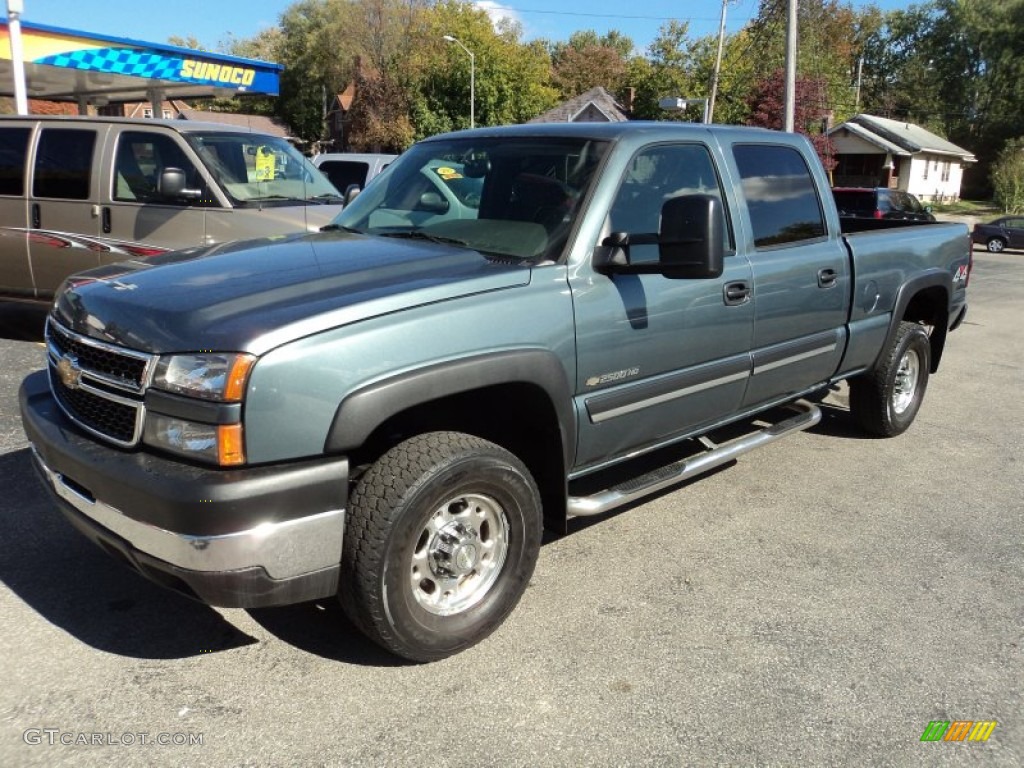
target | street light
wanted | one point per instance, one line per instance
(680, 105)
(472, 78)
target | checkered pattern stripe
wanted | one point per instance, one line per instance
(120, 61)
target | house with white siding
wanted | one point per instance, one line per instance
(878, 152)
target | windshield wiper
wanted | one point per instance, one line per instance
(324, 198)
(341, 228)
(418, 234)
(265, 198)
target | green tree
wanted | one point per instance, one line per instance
(1008, 176)
(511, 76)
(667, 71)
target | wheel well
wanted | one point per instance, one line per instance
(930, 307)
(519, 417)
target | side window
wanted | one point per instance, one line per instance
(781, 195)
(139, 159)
(656, 174)
(64, 164)
(342, 173)
(13, 148)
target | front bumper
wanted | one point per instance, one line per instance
(234, 538)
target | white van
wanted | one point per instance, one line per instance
(351, 169)
(77, 192)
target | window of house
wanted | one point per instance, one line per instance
(64, 164)
(945, 170)
(926, 164)
(781, 195)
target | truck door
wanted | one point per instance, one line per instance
(136, 212)
(801, 275)
(658, 357)
(64, 215)
(15, 273)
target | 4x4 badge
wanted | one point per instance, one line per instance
(69, 372)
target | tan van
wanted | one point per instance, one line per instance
(77, 192)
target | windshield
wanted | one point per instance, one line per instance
(259, 170)
(515, 197)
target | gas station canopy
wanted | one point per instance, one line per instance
(86, 68)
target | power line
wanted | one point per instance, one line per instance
(630, 17)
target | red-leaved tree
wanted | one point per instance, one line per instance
(809, 113)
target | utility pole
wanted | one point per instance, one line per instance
(789, 99)
(718, 66)
(14, 10)
(856, 101)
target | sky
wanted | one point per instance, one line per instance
(213, 21)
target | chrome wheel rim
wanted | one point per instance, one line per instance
(995, 245)
(459, 554)
(905, 386)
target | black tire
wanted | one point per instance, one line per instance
(885, 401)
(441, 539)
(996, 245)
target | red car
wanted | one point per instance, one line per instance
(998, 235)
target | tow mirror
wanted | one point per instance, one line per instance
(691, 243)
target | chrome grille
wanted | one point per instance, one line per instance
(99, 386)
(119, 367)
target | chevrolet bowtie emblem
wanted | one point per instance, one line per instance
(69, 372)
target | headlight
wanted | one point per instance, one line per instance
(221, 444)
(211, 376)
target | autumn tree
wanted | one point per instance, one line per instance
(588, 60)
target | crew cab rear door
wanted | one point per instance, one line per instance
(657, 357)
(801, 274)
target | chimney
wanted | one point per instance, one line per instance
(627, 102)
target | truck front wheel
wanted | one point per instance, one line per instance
(441, 539)
(885, 401)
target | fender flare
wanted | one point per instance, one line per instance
(366, 408)
(935, 278)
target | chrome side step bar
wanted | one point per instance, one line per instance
(631, 490)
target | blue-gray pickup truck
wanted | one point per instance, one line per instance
(510, 328)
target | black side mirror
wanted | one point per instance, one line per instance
(171, 183)
(691, 243)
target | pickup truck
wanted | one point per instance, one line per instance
(390, 411)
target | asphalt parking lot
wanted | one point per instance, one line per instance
(817, 603)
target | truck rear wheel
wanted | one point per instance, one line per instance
(442, 536)
(885, 401)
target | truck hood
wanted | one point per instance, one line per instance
(251, 296)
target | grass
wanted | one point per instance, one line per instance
(982, 208)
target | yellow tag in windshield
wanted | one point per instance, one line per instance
(447, 173)
(265, 163)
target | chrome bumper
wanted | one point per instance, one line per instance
(285, 550)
